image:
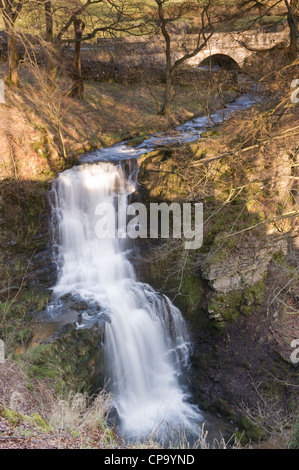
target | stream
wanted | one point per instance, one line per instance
(146, 342)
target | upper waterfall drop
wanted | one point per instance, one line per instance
(145, 341)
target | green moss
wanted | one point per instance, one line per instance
(210, 133)
(161, 176)
(223, 408)
(36, 298)
(246, 310)
(241, 438)
(227, 307)
(246, 423)
(16, 315)
(40, 421)
(197, 151)
(137, 140)
(200, 361)
(73, 362)
(255, 434)
(40, 362)
(12, 416)
(17, 418)
(192, 289)
(24, 336)
(255, 294)
(252, 431)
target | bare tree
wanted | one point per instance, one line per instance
(264, 7)
(119, 17)
(11, 10)
(78, 86)
(72, 11)
(49, 37)
(167, 16)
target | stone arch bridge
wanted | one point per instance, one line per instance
(230, 48)
(239, 46)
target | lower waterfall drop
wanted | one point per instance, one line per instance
(146, 343)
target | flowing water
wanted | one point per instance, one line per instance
(146, 343)
(190, 131)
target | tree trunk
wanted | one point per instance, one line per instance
(53, 60)
(78, 86)
(294, 31)
(12, 76)
(49, 21)
(10, 17)
(169, 95)
(53, 48)
(10, 11)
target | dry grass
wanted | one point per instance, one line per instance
(78, 411)
(39, 119)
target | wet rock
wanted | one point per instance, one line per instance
(80, 305)
(68, 298)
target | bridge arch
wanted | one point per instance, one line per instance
(234, 57)
(220, 60)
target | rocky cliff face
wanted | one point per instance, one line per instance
(238, 290)
(244, 269)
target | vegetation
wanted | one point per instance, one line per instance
(245, 171)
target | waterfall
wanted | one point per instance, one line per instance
(146, 344)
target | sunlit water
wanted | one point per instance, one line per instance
(190, 131)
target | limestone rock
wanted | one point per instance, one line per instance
(241, 269)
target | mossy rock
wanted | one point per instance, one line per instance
(160, 178)
(137, 140)
(36, 417)
(200, 361)
(227, 307)
(210, 133)
(80, 305)
(223, 408)
(241, 438)
(255, 434)
(246, 423)
(252, 431)
(13, 416)
(17, 418)
(192, 292)
(74, 361)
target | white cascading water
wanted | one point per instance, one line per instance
(145, 341)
